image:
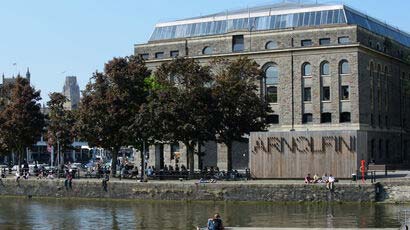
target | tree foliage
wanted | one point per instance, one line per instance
(183, 104)
(21, 120)
(60, 128)
(239, 109)
(110, 102)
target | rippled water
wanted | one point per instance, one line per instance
(81, 214)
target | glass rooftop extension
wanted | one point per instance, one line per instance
(274, 17)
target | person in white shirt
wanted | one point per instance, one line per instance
(330, 182)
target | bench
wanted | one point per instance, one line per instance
(378, 168)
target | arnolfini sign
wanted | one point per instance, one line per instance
(295, 154)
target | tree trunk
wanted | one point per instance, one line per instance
(142, 152)
(229, 156)
(190, 156)
(114, 161)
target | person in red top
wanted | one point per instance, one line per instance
(308, 179)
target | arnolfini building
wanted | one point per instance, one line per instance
(337, 81)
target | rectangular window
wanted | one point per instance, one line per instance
(272, 119)
(344, 40)
(324, 41)
(326, 118)
(144, 56)
(326, 93)
(159, 55)
(174, 53)
(238, 43)
(272, 94)
(306, 42)
(307, 118)
(307, 94)
(345, 92)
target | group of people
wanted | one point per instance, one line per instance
(329, 180)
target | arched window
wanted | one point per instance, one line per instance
(344, 67)
(207, 50)
(271, 82)
(270, 45)
(306, 69)
(371, 69)
(325, 68)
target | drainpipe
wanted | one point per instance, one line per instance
(293, 86)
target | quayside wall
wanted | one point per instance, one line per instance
(190, 191)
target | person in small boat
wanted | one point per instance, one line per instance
(215, 223)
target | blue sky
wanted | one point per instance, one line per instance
(76, 37)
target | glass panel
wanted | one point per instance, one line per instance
(272, 75)
(272, 94)
(271, 45)
(307, 96)
(325, 69)
(306, 69)
(344, 67)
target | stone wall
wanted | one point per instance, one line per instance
(394, 192)
(188, 191)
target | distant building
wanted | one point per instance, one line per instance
(72, 91)
(9, 81)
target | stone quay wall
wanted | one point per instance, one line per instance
(246, 191)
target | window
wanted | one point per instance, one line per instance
(324, 41)
(326, 93)
(378, 46)
(380, 149)
(386, 121)
(207, 50)
(307, 118)
(270, 45)
(174, 150)
(272, 119)
(345, 92)
(344, 67)
(144, 56)
(174, 53)
(271, 82)
(372, 144)
(159, 55)
(343, 40)
(345, 117)
(306, 69)
(325, 68)
(372, 119)
(307, 94)
(387, 148)
(238, 43)
(326, 118)
(306, 42)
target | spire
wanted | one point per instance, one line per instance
(2, 77)
(28, 75)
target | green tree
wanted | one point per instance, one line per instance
(183, 105)
(109, 104)
(239, 109)
(21, 121)
(60, 128)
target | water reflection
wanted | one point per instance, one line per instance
(80, 214)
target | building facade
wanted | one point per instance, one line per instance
(328, 68)
(72, 91)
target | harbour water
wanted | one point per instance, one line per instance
(24, 213)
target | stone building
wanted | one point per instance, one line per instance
(328, 68)
(7, 81)
(72, 91)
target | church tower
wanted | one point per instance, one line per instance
(28, 75)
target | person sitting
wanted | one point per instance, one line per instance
(330, 182)
(315, 178)
(215, 223)
(308, 179)
(325, 178)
